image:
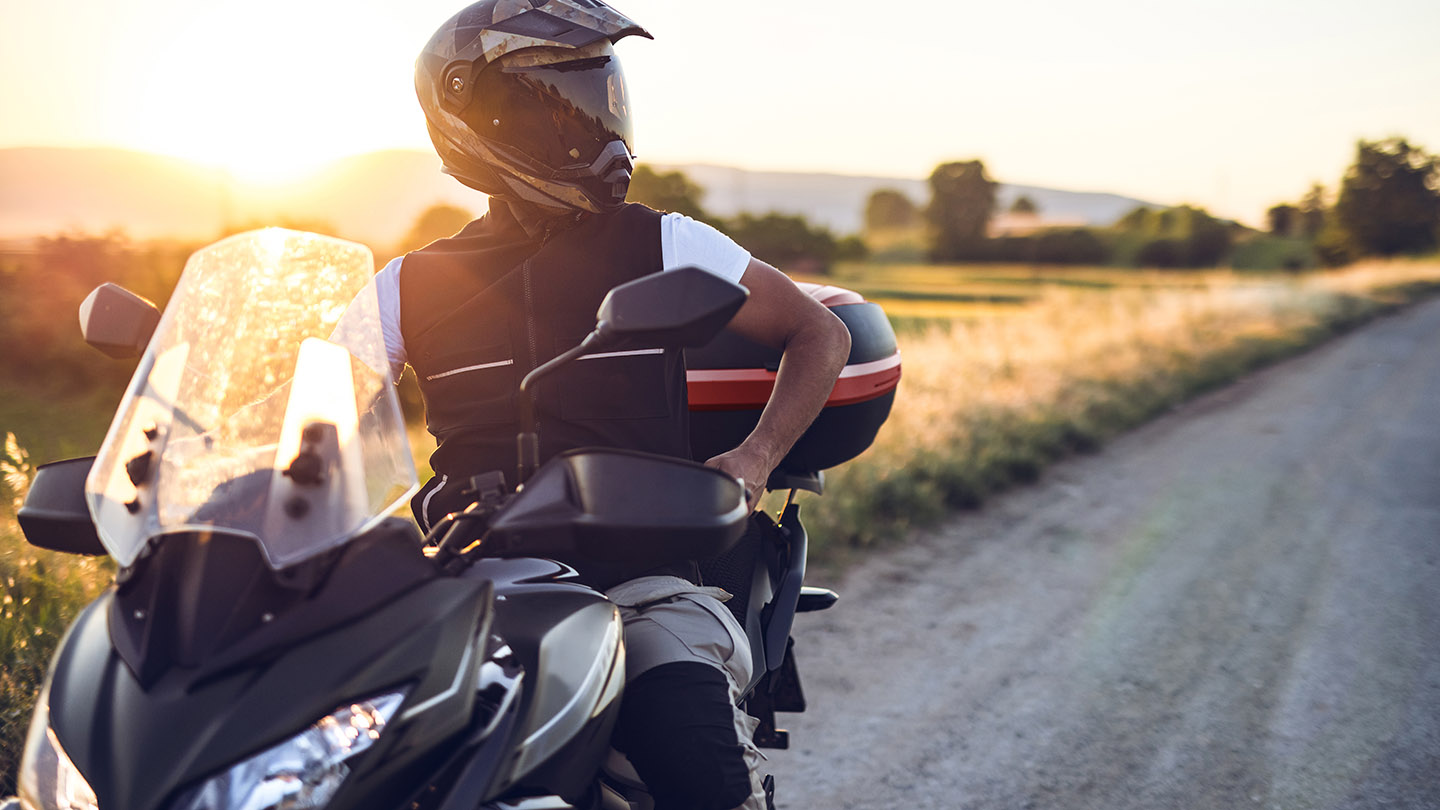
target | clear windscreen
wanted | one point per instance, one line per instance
(263, 406)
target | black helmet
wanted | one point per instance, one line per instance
(525, 100)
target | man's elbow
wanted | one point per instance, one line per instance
(834, 339)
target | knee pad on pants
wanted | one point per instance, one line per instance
(677, 727)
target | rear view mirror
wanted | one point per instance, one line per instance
(679, 308)
(673, 309)
(117, 321)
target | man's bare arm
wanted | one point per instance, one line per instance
(814, 344)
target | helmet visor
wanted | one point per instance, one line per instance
(561, 115)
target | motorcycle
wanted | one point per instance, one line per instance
(276, 638)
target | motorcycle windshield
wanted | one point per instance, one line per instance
(263, 406)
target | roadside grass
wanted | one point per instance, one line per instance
(43, 593)
(986, 403)
(40, 421)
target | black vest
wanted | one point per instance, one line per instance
(482, 308)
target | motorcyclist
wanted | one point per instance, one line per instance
(525, 101)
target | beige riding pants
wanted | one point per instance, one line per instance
(668, 620)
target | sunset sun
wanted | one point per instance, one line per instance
(274, 114)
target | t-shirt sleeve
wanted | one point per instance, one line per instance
(387, 292)
(379, 299)
(685, 241)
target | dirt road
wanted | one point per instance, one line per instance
(1236, 606)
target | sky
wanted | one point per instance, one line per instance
(1234, 105)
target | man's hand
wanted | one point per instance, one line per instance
(751, 467)
(814, 344)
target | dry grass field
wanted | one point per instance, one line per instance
(1007, 369)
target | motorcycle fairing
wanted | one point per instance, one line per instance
(138, 747)
(515, 748)
(528, 735)
(207, 602)
(561, 634)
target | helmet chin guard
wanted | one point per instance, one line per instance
(525, 100)
(608, 178)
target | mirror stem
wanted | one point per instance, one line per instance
(527, 443)
(527, 448)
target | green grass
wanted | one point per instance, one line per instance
(43, 591)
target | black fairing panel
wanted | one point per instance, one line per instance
(209, 601)
(534, 612)
(138, 745)
(535, 597)
(571, 771)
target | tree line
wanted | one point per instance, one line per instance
(1387, 204)
(785, 240)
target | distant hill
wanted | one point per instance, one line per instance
(44, 191)
(838, 201)
(378, 196)
(374, 197)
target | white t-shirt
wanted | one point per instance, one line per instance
(683, 242)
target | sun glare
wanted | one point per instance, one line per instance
(257, 134)
(266, 102)
(273, 166)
